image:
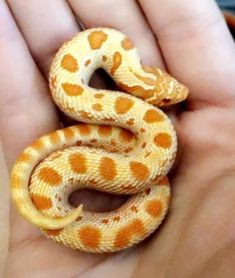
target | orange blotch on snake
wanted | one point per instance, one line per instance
(93, 141)
(155, 180)
(50, 176)
(68, 134)
(127, 150)
(69, 63)
(41, 202)
(104, 130)
(97, 107)
(72, 90)
(71, 181)
(78, 143)
(87, 63)
(107, 168)
(134, 209)
(24, 157)
(85, 115)
(55, 232)
(148, 69)
(154, 208)
(127, 44)
(147, 191)
(104, 58)
(117, 60)
(125, 234)
(130, 121)
(106, 119)
(163, 140)
(96, 39)
(90, 236)
(152, 116)
(59, 198)
(38, 145)
(54, 138)
(139, 170)
(163, 181)
(126, 135)
(16, 181)
(78, 163)
(98, 95)
(116, 218)
(146, 80)
(53, 81)
(144, 145)
(105, 221)
(92, 182)
(123, 105)
(136, 90)
(84, 129)
(79, 218)
(128, 187)
(147, 154)
(113, 143)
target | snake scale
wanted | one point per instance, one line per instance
(123, 144)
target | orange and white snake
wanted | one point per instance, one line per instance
(124, 145)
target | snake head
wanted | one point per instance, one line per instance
(167, 90)
(155, 87)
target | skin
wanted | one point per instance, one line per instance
(197, 238)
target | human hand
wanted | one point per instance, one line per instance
(196, 239)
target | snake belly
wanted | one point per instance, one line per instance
(123, 144)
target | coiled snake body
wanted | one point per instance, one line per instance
(124, 145)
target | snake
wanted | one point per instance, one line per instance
(123, 144)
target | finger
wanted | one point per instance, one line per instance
(26, 110)
(46, 25)
(196, 45)
(4, 212)
(124, 16)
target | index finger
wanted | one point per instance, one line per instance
(26, 110)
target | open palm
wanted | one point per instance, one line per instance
(193, 43)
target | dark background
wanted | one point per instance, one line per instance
(227, 5)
